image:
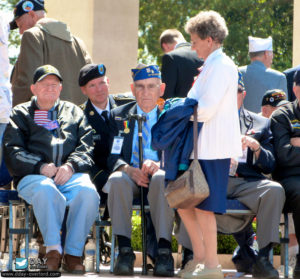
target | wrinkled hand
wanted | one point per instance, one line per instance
(64, 173)
(150, 167)
(49, 170)
(138, 176)
(250, 142)
(295, 142)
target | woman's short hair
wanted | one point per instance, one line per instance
(208, 24)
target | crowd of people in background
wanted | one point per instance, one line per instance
(68, 143)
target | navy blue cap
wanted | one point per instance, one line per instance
(274, 98)
(151, 71)
(23, 7)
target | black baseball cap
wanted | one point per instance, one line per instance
(274, 98)
(23, 7)
(90, 72)
(43, 71)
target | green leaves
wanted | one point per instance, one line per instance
(260, 18)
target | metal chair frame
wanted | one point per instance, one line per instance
(9, 198)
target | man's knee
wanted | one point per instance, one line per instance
(157, 182)
(118, 183)
(276, 191)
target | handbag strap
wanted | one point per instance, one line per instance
(195, 132)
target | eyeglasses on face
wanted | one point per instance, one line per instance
(150, 87)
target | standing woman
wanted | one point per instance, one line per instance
(219, 139)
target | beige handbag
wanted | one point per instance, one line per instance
(191, 188)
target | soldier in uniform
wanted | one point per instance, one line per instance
(95, 85)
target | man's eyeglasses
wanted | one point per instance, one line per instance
(149, 87)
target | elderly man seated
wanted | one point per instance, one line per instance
(247, 183)
(126, 179)
(271, 101)
(47, 149)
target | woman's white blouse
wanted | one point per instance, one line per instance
(216, 92)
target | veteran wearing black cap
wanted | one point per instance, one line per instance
(94, 84)
(45, 41)
(272, 100)
(48, 149)
(123, 184)
(249, 185)
(285, 125)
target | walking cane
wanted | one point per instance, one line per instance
(140, 119)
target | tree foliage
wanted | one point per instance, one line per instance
(259, 18)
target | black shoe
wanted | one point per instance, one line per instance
(164, 263)
(244, 258)
(296, 273)
(125, 262)
(262, 268)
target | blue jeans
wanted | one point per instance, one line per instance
(49, 203)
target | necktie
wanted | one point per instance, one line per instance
(105, 116)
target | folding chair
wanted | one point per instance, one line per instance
(9, 198)
(235, 207)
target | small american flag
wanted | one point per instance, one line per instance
(41, 117)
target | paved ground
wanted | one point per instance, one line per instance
(104, 273)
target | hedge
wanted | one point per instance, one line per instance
(226, 243)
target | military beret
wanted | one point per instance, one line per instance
(90, 72)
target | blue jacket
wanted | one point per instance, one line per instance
(173, 133)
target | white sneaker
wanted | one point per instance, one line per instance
(189, 274)
(189, 267)
(206, 273)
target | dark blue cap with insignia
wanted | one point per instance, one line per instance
(43, 71)
(23, 7)
(274, 98)
(144, 72)
(90, 72)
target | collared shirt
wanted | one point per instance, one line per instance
(149, 153)
(99, 110)
(215, 89)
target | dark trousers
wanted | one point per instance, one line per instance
(291, 186)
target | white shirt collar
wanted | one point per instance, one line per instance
(101, 110)
(213, 55)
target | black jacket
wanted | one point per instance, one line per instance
(179, 67)
(27, 145)
(99, 172)
(285, 124)
(289, 74)
(258, 127)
